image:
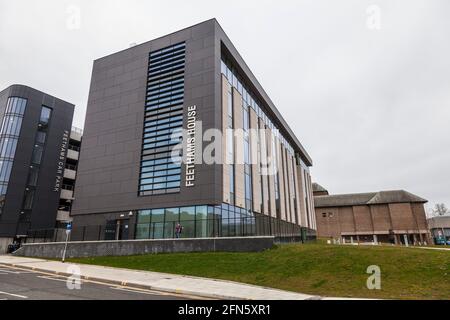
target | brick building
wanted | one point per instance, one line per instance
(386, 216)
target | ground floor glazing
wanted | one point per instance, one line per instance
(210, 221)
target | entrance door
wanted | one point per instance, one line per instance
(124, 229)
(110, 230)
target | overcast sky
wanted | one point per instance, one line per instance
(365, 85)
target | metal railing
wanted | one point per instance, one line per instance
(71, 167)
(77, 130)
(243, 227)
(67, 187)
(74, 148)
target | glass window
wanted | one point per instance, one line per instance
(142, 231)
(157, 230)
(201, 222)
(37, 154)
(45, 115)
(28, 200)
(172, 214)
(165, 94)
(16, 125)
(157, 215)
(223, 67)
(8, 147)
(3, 189)
(11, 125)
(187, 213)
(40, 136)
(5, 170)
(246, 152)
(245, 119)
(33, 176)
(247, 187)
(187, 221)
(169, 229)
(144, 216)
(201, 229)
(201, 212)
(230, 104)
(16, 105)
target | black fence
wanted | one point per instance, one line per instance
(204, 228)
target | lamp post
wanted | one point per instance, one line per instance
(68, 230)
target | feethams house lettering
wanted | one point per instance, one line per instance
(190, 146)
(61, 161)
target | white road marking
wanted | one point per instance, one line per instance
(158, 293)
(55, 279)
(14, 272)
(13, 295)
(139, 291)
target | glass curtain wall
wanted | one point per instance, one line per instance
(160, 169)
(209, 221)
(9, 136)
(230, 143)
(36, 159)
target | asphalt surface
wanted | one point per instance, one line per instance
(20, 284)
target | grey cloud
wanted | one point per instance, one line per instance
(371, 107)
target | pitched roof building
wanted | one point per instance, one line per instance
(318, 190)
(395, 216)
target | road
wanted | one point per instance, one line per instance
(21, 284)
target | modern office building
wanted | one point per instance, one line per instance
(147, 160)
(34, 136)
(396, 217)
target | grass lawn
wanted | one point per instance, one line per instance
(340, 271)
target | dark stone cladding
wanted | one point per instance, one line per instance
(46, 201)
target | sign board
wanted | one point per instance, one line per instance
(61, 161)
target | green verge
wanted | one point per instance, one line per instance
(319, 269)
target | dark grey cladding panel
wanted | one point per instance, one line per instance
(108, 172)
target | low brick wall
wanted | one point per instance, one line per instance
(137, 247)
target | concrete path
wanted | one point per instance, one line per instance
(433, 248)
(202, 287)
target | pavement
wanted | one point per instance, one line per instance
(155, 282)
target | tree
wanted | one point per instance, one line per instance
(440, 209)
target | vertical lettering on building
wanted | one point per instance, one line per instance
(61, 161)
(190, 146)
